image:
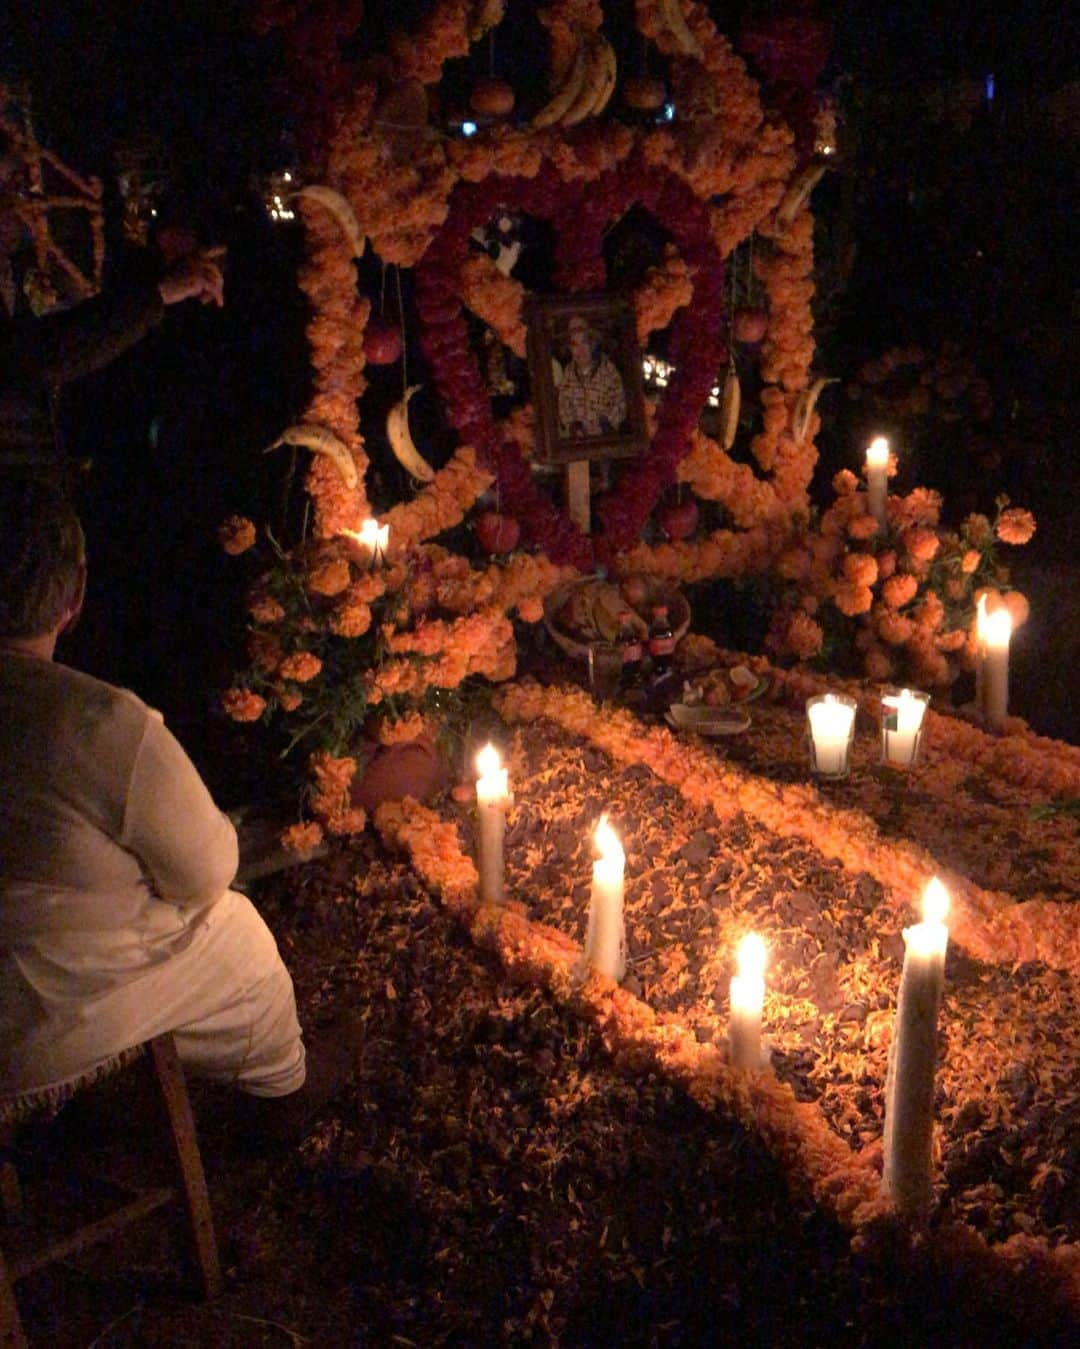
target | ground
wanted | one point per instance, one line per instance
(497, 1176)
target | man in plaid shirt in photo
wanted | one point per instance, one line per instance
(591, 398)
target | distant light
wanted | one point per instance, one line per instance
(287, 176)
(468, 128)
(667, 112)
(988, 85)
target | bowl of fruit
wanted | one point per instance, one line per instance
(594, 609)
(712, 703)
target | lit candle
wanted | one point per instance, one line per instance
(747, 998)
(980, 656)
(832, 722)
(605, 939)
(492, 799)
(909, 1084)
(381, 546)
(877, 476)
(365, 541)
(997, 631)
(901, 722)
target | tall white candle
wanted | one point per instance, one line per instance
(901, 721)
(747, 1000)
(877, 477)
(605, 939)
(492, 799)
(909, 1085)
(997, 631)
(980, 656)
(832, 718)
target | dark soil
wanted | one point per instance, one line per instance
(493, 1178)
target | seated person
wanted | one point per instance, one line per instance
(116, 918)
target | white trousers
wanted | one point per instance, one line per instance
(226, 997)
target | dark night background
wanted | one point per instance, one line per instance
(950, 216)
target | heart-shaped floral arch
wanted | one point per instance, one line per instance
(698, 348)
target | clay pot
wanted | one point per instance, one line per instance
(414, 768)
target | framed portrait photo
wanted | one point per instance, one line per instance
(585, 374)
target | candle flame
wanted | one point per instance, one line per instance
(488, 761)
(606, 840)
(877, 452)
(750, 956)
(997, 628)
(935, 902)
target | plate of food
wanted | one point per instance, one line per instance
(707, 721)
(723, 687)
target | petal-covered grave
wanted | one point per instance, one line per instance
(372, 624)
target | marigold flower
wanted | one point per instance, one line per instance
(852, 599)
(265, 609)
(349, 821)
(950, 641)
(1015, 525)
(845, 482)
(930, 613)
(351, 620)
(301, 838)
(300, 666)
(921, 543)
(886, 564)
(970, 561)
(531, 609)
(804, 636)
(893, 628)
(242, 704)
(794, 564)
(977, 530)
(860, 569)
(289, 699)
(329, 578)
(237, 534)
(863, 527)
(877, 663)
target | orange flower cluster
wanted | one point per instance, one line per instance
(442, 504)
(242, 704)
(302, 839)
(329, 795)
(1015, 526)
(664, 291)
(447, 30)
(498, 300)
(237, 534)
(400, 730)
(300, 666)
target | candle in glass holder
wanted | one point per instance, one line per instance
(980, 656)
(877, 477)
(997, 632)
(747, 999)
(832, 727)
(909, 1083)
(492, 800)
(902, 717)
(605, 939)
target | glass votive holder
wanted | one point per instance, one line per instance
(831, 719)
(605, 670)
(903, 716)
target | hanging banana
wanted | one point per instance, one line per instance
(804, 407)
(730, 407)
(342, 212)
(401, 441)
(319, 440)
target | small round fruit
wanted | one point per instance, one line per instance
(492, 98)
(750, 325)
(679, 519)
(643, 93)
(382, 343)
(497, 533)
(635, 591)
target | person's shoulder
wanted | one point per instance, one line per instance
(97, 696)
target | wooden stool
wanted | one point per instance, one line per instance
(160, 1057)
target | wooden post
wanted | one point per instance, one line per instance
(577, 494)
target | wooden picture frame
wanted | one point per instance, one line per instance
(585, 375)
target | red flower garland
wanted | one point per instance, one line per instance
(698, 348)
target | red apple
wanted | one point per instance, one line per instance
(750, 325)
(382, 342)
(497, 533)
(679, 519)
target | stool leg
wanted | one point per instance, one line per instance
(174, 1094)
(12, 1335)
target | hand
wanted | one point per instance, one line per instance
(197, 277)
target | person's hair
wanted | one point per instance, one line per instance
(41, 550)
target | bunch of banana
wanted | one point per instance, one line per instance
(674, 20)
(587, 86)
(593, 612)
(401, 441)
(320, 440)
(798, 193)
(340, 209)
(804, 407)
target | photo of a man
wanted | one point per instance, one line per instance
(591, 396)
